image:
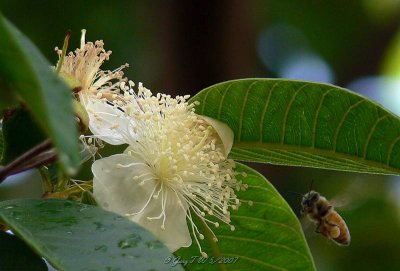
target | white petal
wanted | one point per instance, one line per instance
(115, 188)
(107, 122)
(224, 132)
(176, 233)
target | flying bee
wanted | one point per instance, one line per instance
(329, 223)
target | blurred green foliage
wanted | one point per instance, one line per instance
(16, 125)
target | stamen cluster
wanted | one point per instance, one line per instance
(181, 159)
(175, 165)
(83, 66)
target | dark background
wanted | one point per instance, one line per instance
(180, 47)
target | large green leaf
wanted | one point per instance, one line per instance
(24, 70)
(74, 236)
(305, 124)
(267, 234)
(8, 98)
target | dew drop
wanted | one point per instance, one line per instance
(127, 256)
(83, 209)
(131, 241)
(99, 226)
(154, 244)
(101, 248)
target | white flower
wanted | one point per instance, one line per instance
(175, 166)
(105, 121)
(93, 87)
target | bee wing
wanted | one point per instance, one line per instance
(306, 224)
(351, 197)
(341, 201)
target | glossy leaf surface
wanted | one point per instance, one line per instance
(73, 236)
(305, 124)
(267, 234)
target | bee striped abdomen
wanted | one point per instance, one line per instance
(329, 222)
(333, 218)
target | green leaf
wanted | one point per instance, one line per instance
(24, 70)
(267, 234)
(305, 124)
(8, 99)
(16, 255)
(74, 236)
(88, 198)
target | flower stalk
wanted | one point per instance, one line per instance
(37, 156)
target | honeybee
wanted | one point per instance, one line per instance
(329, 223)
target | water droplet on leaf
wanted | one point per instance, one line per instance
(102, 248)
(131, 241)
(154, 244)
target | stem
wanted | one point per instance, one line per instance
(26, 160)
(62, 183)
(64, 51)
(46, 182)
(40, 160)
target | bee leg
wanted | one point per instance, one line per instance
(334, 230)
(319, 228)
(332, 224)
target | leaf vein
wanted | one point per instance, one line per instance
(242, 110)
(329, 155)
(263, 243)
(316, 116)
(287, 111)
(342, 121)
(391, 149)
(256, 261)
(203, 106)
(271, 205)
(265, 111)
(222, 100)
(370, 135)
(263, 220)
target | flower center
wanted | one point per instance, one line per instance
(183, 166)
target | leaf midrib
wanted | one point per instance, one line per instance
(312, 150)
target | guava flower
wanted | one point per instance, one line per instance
(83, 66)
(175, 166)
(92, 86)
